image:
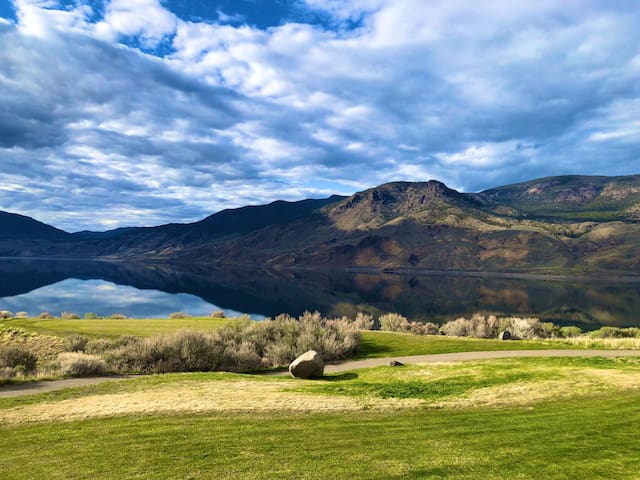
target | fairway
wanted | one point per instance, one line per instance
(107, 327)
(500, 419)
(376, 344)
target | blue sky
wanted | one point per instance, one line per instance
(142, 112)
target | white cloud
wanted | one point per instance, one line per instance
(236, 114)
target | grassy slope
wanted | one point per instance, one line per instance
(591, 436)
(388, 344)
(141, 327)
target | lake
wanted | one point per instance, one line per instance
(156, 290)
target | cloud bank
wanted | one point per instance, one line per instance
(125, 112)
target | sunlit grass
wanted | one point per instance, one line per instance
(141, 327)
(389, 344)
(586, 433)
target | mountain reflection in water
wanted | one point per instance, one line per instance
(142, 290)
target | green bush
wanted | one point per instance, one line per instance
(570, 332)
(615, 332)
(91, 316)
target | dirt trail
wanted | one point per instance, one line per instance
(7, 391)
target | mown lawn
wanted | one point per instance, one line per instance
(588, 431)
(388, 344)
(140, 327)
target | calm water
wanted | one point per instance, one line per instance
(156, 290)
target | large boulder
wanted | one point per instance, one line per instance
(307, 365)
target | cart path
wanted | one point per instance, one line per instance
(484, 355)
(7, 391)
(31, 388)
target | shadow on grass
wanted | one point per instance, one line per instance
(340, 377)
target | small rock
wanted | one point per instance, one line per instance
(307, 365)
(505, 335)
(395, 363)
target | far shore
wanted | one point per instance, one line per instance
(596, 277)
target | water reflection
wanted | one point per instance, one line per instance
(106, 298)
(157, 289)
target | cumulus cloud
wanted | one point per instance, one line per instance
(121, 112)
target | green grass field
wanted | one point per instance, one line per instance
(141, 327)
(377, 344)
(503, 419)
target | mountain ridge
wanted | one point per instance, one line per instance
(572, 224)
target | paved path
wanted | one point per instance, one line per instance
(462, 356)
(7, 391)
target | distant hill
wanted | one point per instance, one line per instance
(570, 224)
(572, 198)
(19, 227)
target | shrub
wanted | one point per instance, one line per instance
(45, 315)
(239, 346)
(523, 328)
(22, 315)
(118, 316)
(426, 328)
(363, 321)
(217, 314)
(91, 316)
(570, 332)
(78, 364)
(98, 346)
(69, 316)
(76, 343)
(15, 357)
(177, 315)
(615, 332)
(5, 314)
(394, 322)
(460, 327)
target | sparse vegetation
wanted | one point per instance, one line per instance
(69, 316)
(174, 315)
(78, 364)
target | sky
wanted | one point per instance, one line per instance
(142, 112)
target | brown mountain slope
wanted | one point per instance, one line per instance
(552, 225)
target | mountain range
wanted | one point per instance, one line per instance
(554, 225)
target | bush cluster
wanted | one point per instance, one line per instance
(615, 332)
(78, 364)
(239, 346)
(394, 322)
